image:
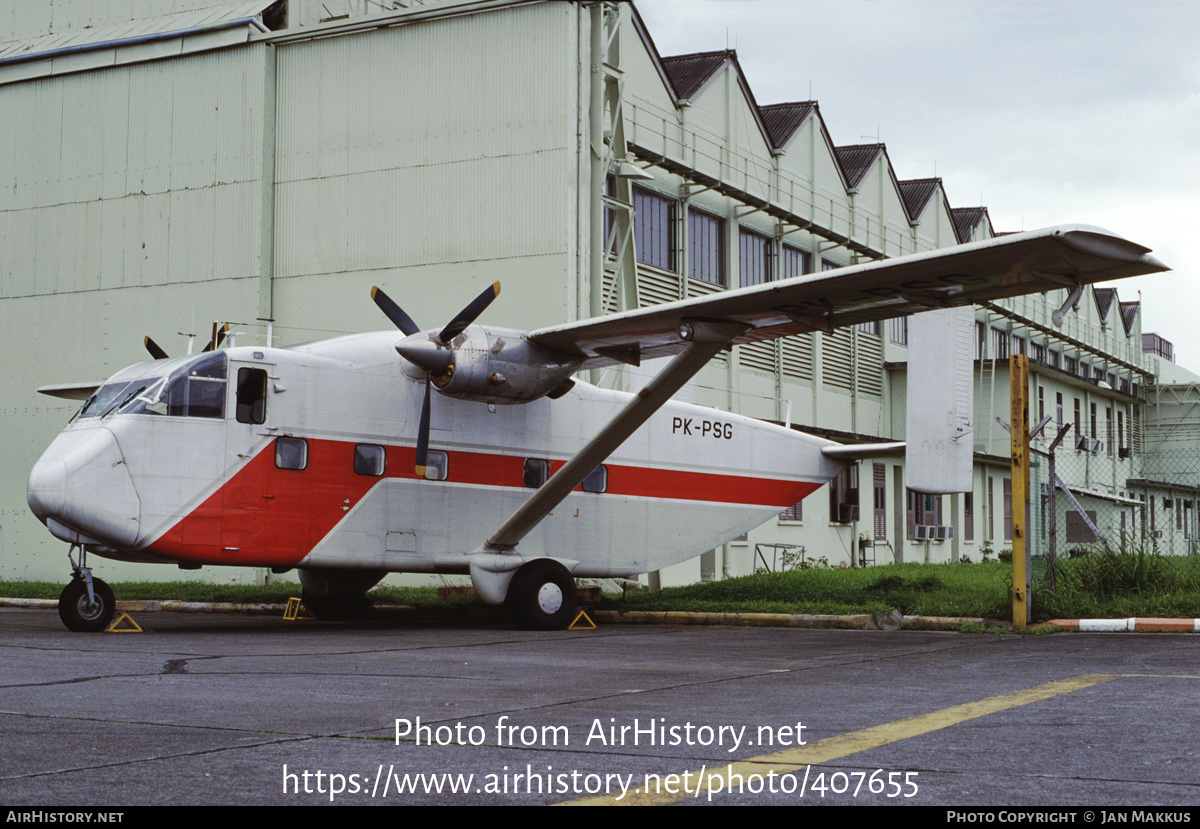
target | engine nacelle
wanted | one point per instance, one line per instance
(489, 365)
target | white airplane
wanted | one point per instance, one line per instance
(334, 457)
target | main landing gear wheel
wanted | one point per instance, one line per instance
(542, 596)
(81, 614)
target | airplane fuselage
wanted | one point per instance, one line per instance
(304, 457)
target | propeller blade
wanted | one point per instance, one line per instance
(467, 315)
(218, 337)
(155, 351)
(393, 312)
(423, 435)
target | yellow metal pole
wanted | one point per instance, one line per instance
(1019, 395)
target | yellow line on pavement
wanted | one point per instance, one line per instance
(692, 784)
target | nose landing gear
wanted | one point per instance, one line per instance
(86, 605)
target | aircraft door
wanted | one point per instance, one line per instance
(247, 425)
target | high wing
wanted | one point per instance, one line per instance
(1011, 265)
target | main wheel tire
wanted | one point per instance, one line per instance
(542, 596)
(81, 615)
(337, 608)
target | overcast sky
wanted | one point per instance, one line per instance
(1044, 112)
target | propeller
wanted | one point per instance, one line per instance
(431, 353)
(218, 337)
(155, 349)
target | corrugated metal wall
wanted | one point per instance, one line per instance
(393, 158)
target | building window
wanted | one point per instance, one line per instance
(706, 247)
(794, 262)
(654, 229)
(1078, 532)
(999, 344)
(879, 485)
(1038, 352)
(1008, 514)
(923, 510)
(754, 258)
(991, 509)
(969, 516)
(900, 330)
(1058, 411)
(793, 513)
(871, 328)
(1018, 345)
(843, 497)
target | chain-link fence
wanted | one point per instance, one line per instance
(1120, 526)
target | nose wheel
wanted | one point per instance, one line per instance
(86, 605)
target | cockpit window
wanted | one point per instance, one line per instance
(194, 389)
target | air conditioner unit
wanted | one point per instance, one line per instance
(1096, 447)
(847, 513)
(920, 532)
(1168, 503)
(1123, 453)
(1156, 534)
(943, 533)
(1081, 442)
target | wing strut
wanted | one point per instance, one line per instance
(704, 339)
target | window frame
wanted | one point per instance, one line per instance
(378, 464)
(706, 247)
(287, 440)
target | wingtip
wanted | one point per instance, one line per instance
(495, 289)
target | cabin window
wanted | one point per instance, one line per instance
(251, 395)
(597, 480)
(291, 453)
(437, 465)
(369, 459)
(536, 472)
(195, 389)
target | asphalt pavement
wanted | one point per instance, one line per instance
(251, 709)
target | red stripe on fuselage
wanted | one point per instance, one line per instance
(269, 517)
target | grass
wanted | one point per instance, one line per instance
(913, 589)
(1097, 585)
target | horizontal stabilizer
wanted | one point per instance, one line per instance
(861, 451)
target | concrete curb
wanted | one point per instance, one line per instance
(1143, 623)
(865, 621)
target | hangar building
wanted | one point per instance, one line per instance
(176, 162)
